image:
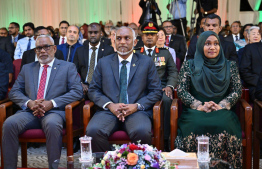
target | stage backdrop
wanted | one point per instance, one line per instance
(51, 12)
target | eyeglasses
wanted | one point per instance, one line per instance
(165, 27)
(46, 48)
(108, 26)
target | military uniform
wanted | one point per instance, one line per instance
(167, 72)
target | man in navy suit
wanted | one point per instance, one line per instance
(69, 48)
(14, 33)
(42, 90)
(125, 87)
(87, 56)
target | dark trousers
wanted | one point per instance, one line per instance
(52, 125)
(166, 105)
(104, 123)
(177, 23)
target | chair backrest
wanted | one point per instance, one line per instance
(16, 68)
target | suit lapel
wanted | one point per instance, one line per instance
(31, 56)
(133, 67)
(115, 68)
(54, 70)
(259, 46)
(86, 56)
(35, 69)
(100, 51)
(171, 40)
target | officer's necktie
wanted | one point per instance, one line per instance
(149, 52)
(167, 40)
(123, 83)
(41, 88)
(63, 41)
(29, 44)
(92, 65)
(236, 38)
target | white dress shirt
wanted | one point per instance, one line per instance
(90, 54)
(60, 40)
(234, 37)
(21, 46)
(146, 49)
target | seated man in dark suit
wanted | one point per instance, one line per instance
(6, 72)
(213, 23)
(30, 55)
(71, 45)
(176, 42)
(87, 56)
(42, 90)
(63, 25)
(6, 59)
(125, 87)
(166, 69)
(250, 67)
(7, 46)
(14, 29)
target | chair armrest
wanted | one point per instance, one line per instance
(257, 111)
(5, 108)
(158, 120)
(69, 111)
(87, 113)
(246, 113)
(173, 122)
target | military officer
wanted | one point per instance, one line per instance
(166, 69)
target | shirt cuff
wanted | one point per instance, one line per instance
(140, 107)
(25, 105)
(104, 107)
(54, 103)
(171, 86)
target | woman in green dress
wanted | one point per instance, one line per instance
(209, 86)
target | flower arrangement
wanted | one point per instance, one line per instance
(132, 156)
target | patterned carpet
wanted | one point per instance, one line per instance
(37, 158)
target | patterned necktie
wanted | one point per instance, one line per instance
(149, 52)
(123, 83)
(29, 44)
(236, 38)
(167, 40)
(63, 41)
(92, 65)
(41, 88)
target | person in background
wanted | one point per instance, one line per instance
(63, 25)
(112, 37)
(138, 37)
(27, 42)
(178, 10)
(160, 43)
(51, 32)
(209, 86)
(108, 25)
(250, 64)
(69, 48)
(84, 31)
(14, 33)
(3, 32)
(253, 35)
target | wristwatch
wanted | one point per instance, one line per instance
(205, 12)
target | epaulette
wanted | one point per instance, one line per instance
(137, 48)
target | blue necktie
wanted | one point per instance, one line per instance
(123, 83)
(29, 44)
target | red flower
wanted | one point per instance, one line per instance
(133, 147)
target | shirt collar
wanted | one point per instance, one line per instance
(30, 38)
(50, 64)
(146, 48)
(129, 59)
(67, 45)
(238, 35)
(97, 46)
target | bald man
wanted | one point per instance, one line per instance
(69, 48)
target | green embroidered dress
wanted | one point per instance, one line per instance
(222, 126)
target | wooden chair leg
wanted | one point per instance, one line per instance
(256, 141)
(24, 154)
(2, 158)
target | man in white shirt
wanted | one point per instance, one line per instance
(27, 42)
